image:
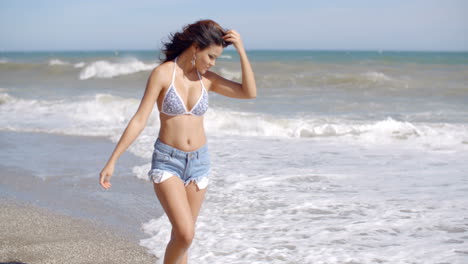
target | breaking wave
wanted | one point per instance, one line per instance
(106, 69)
(104, 114)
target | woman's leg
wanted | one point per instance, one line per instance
(173, 197)
(195, 198)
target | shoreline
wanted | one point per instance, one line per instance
(32, 234)
(53, 209)
(60, 173)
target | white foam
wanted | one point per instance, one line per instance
(57, 62)
(106, 69)
(79, 65)
(97, 116)
(5, 97)
(388, 131)
(141, 172)
(225, 57)
(369, 79)
(104, 113)
(342, 207)
(101, 115)
(231, 75)
(376, 76)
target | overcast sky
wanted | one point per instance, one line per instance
(293, 24)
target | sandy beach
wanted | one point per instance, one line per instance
(31, 234)
(54, 211)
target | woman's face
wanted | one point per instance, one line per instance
(206, 58)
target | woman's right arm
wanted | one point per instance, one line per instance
(135, 126)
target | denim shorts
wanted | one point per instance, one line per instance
(190, 166)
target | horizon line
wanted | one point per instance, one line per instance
(232, 49)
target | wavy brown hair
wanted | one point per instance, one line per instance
(203, 33)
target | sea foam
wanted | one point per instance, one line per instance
(79, 65)
(231, 75)
(57, 62)
(106, 69)
(104, 114)
(311, 202)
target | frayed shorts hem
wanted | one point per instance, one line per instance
(158, 176)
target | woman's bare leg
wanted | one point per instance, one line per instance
(173, 197)
(195, 198)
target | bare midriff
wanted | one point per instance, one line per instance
(184, 132)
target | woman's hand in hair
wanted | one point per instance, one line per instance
(235, 38)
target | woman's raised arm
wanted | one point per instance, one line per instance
(248, 88)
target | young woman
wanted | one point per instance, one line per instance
(179, 86)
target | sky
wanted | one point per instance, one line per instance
(429, 25)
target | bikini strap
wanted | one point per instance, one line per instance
(173, 72)
(201, 80)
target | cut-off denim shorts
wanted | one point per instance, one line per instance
(190, 166)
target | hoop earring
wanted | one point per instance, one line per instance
(193, 60)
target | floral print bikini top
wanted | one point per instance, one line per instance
(173, 104)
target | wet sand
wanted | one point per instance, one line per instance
(61, 173)
(31, 234)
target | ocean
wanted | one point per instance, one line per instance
(343, 157)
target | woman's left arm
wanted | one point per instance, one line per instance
(247, 89)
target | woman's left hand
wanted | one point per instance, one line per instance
(235, 38)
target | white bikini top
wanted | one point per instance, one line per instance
(173, 104)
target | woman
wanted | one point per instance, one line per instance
(180, 86)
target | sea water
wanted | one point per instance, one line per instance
(343, 157)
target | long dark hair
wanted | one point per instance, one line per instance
(203, 33)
